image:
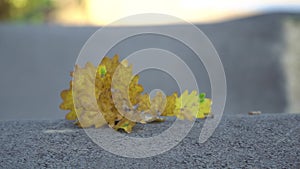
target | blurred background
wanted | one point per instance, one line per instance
(102, 12)
(257, 40)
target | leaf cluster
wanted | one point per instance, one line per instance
(110, 94)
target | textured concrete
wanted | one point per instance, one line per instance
(240, 141)
(35, 62)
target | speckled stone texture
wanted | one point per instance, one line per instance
(240, 141)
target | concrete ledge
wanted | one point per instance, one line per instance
(240, 141)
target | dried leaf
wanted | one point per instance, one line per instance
(110, 94)
(204, 108)
(187, 105)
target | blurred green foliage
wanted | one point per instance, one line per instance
(32, 11)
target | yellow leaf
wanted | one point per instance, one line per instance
(187, 105)
(170, 105)
(204, 108)
(84, 94)
(71, 115)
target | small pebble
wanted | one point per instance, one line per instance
(254, 112)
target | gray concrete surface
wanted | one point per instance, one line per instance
(35, 62)
(240, 141)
